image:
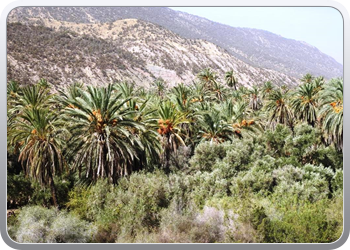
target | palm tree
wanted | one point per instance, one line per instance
(13, 94)
(38, 132)
(160, 85)
(304, 103)
(278, 107)
(237, 114)
(104, 136)
(43, 83)
(33, 96)
(318, 83)
(332, 111)
(199, 92)
(213, 128)
(308, 78)
(144, 113)
(255, 100)
(208, 77)
(231, 80)
(267, 88)
(219, 91)
(169, 128)
(181, 95)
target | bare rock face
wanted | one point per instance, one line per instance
(96, 45)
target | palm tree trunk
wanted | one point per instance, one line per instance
(53, 190)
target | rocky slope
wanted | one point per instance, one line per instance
(130, 50)
(256, 47)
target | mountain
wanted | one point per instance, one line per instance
(180, 45)
(125, 50)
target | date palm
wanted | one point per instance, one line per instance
(267, 88)
(213, 128)
(170, 129)
(160, 86)
(332, 111)
(255, 102)
(278, 108)
(236, 114)
(38, 132)
(32, 97)
(304, 103)
(208, 77)
(230, 79)
(181, 95)
(308, 78)
(104, 137)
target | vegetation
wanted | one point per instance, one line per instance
(209, 162)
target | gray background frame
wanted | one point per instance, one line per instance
(3, 125)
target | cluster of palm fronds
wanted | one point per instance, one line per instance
(108, 132)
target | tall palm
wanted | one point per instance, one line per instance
(267, 88)
(38, 132)
(304, 103)
(68, 94)
(160, 86)
(318, 83)
(236, 114)
(149, 153)
(181, 95)
(255, 101)
(219, 91)
(278, 107)
(332, 111)
(199, 92)
(208, 77)
(170, 129)
(13, 94)
(33, 96)
(308, 78)
(230, 79)
(213, 128)
(104, 136)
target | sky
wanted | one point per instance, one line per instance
(321, 27)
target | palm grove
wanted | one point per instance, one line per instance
(208, 162)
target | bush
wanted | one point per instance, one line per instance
(337, 181)
(206, 185)
(312, 225)
(255, 180)
(207, 154)
(41, 225)
(276, 140)
(191, 226)
(288, 174)
(135, 203)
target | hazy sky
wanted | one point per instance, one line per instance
(321, 27)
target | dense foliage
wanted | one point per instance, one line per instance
(202, 163)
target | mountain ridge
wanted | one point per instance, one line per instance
(128, 49)
(257, 48)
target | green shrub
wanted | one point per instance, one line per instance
(191, 226)
(241, 216)
(254, 180)
(205, 185)
(19, 189)
(288, 174)
(135, 203)
(238, 155)
(276, 140)
(337, 181)
(41, 225)
(301, 223)
(207, 154)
